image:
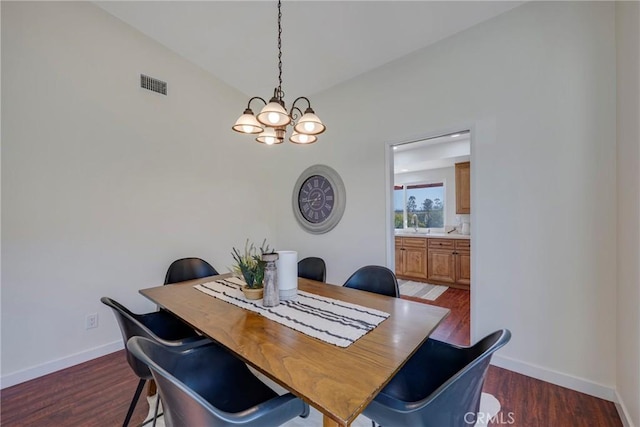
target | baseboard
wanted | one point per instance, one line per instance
(554, 377)
(622, 412)
(56, 365)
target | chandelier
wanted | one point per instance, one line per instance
(271, 122)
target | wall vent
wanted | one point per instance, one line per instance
(152, 84)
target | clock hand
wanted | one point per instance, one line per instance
(314, 200)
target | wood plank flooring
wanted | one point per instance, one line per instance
(455, 329)
(531, 402)
(95, 393)
(98, 392)
(525, 401)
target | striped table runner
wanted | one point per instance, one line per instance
(333, 321)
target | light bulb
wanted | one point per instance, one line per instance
(273, 118)
(309, 126)
(247, 128)
(269, 140)
(303, 138)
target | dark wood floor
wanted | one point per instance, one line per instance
(455, 328)
(525, 401)
(97, 393)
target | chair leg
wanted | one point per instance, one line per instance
(306, 411)
(132, 406)
(155, 413)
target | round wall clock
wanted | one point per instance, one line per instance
(318, 199)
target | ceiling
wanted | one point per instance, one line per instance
(433, 153)
(324, 43)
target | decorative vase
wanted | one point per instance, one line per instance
(271, 297)
(287, 265)
(252, 293)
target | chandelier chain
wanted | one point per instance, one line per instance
(280, 49)
(272, 121)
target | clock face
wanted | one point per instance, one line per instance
(316, 199)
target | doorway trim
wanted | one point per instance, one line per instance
(388, 158)
(389, 181)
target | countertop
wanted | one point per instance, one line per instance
(453, 235)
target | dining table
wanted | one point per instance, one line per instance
(338, 381)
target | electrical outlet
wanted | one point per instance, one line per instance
(92, 321)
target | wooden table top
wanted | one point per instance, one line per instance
(339, 382)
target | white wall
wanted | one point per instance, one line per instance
(628, 174)
(104, 183)
(537, 84)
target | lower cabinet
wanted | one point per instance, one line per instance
(463, 263)
(449, 262)
(439, 261)
(411, 257)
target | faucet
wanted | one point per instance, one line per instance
(414, 222)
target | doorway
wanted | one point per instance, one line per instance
(424, 183)
(430, 224)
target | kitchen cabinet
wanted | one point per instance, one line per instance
(463, 188)
(441, 261)
(449, 262)
(411, 257)
(463, 263)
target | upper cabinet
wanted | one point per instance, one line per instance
(463, 188)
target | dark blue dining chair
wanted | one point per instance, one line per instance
(374, 278)
(160, 326)
(208, 386)
(188, 269)
(439, 386)
(312, 268)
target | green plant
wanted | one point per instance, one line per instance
(249, 263)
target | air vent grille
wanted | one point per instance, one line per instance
(152, 84)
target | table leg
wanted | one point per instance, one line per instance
(328, 422)
(153, 389)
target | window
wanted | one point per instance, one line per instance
(419, 205)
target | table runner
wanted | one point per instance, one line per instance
(330, 320)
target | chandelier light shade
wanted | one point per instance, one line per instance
(271, 122)
(273, 114)
(247, 123)
(309, 124)
(302, 138)
(269, 137)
